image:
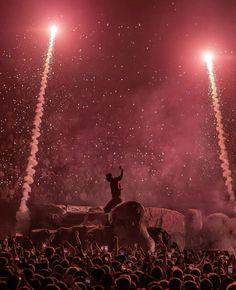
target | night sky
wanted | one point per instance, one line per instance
(127, 87)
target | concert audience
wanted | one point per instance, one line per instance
(89, 266)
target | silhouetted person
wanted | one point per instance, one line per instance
(115, 190)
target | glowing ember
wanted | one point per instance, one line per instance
(53, 30)
(208, 58)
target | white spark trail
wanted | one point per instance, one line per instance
(23, 213)
(225, 165)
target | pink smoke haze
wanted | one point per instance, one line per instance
(128, 86)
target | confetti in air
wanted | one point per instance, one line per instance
(23, 213)
(208, 57)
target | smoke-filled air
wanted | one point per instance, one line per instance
(123, 85)
(117, 144)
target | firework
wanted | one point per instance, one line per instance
(23, 213)
(208, 58)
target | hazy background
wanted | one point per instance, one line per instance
(127, 87)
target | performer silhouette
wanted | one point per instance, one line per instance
(115, 190)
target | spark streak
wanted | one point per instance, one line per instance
(227, 174)
(23, 213)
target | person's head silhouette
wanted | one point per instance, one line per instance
(108, 176)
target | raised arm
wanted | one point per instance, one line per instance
(121, 174)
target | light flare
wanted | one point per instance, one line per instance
(208, 57)
(23, 214)
(225, 165)
(53, 31)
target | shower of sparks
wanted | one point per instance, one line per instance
(208, 58)
(23, 213)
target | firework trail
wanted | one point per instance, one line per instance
(219, 128)
(23, 213)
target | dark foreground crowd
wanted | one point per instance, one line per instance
(96, 267)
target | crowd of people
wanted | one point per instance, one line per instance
(90, 266)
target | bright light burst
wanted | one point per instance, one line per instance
(53, 30)
(208, 57)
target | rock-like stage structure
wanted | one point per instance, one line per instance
(130, 221)
(129, 225)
